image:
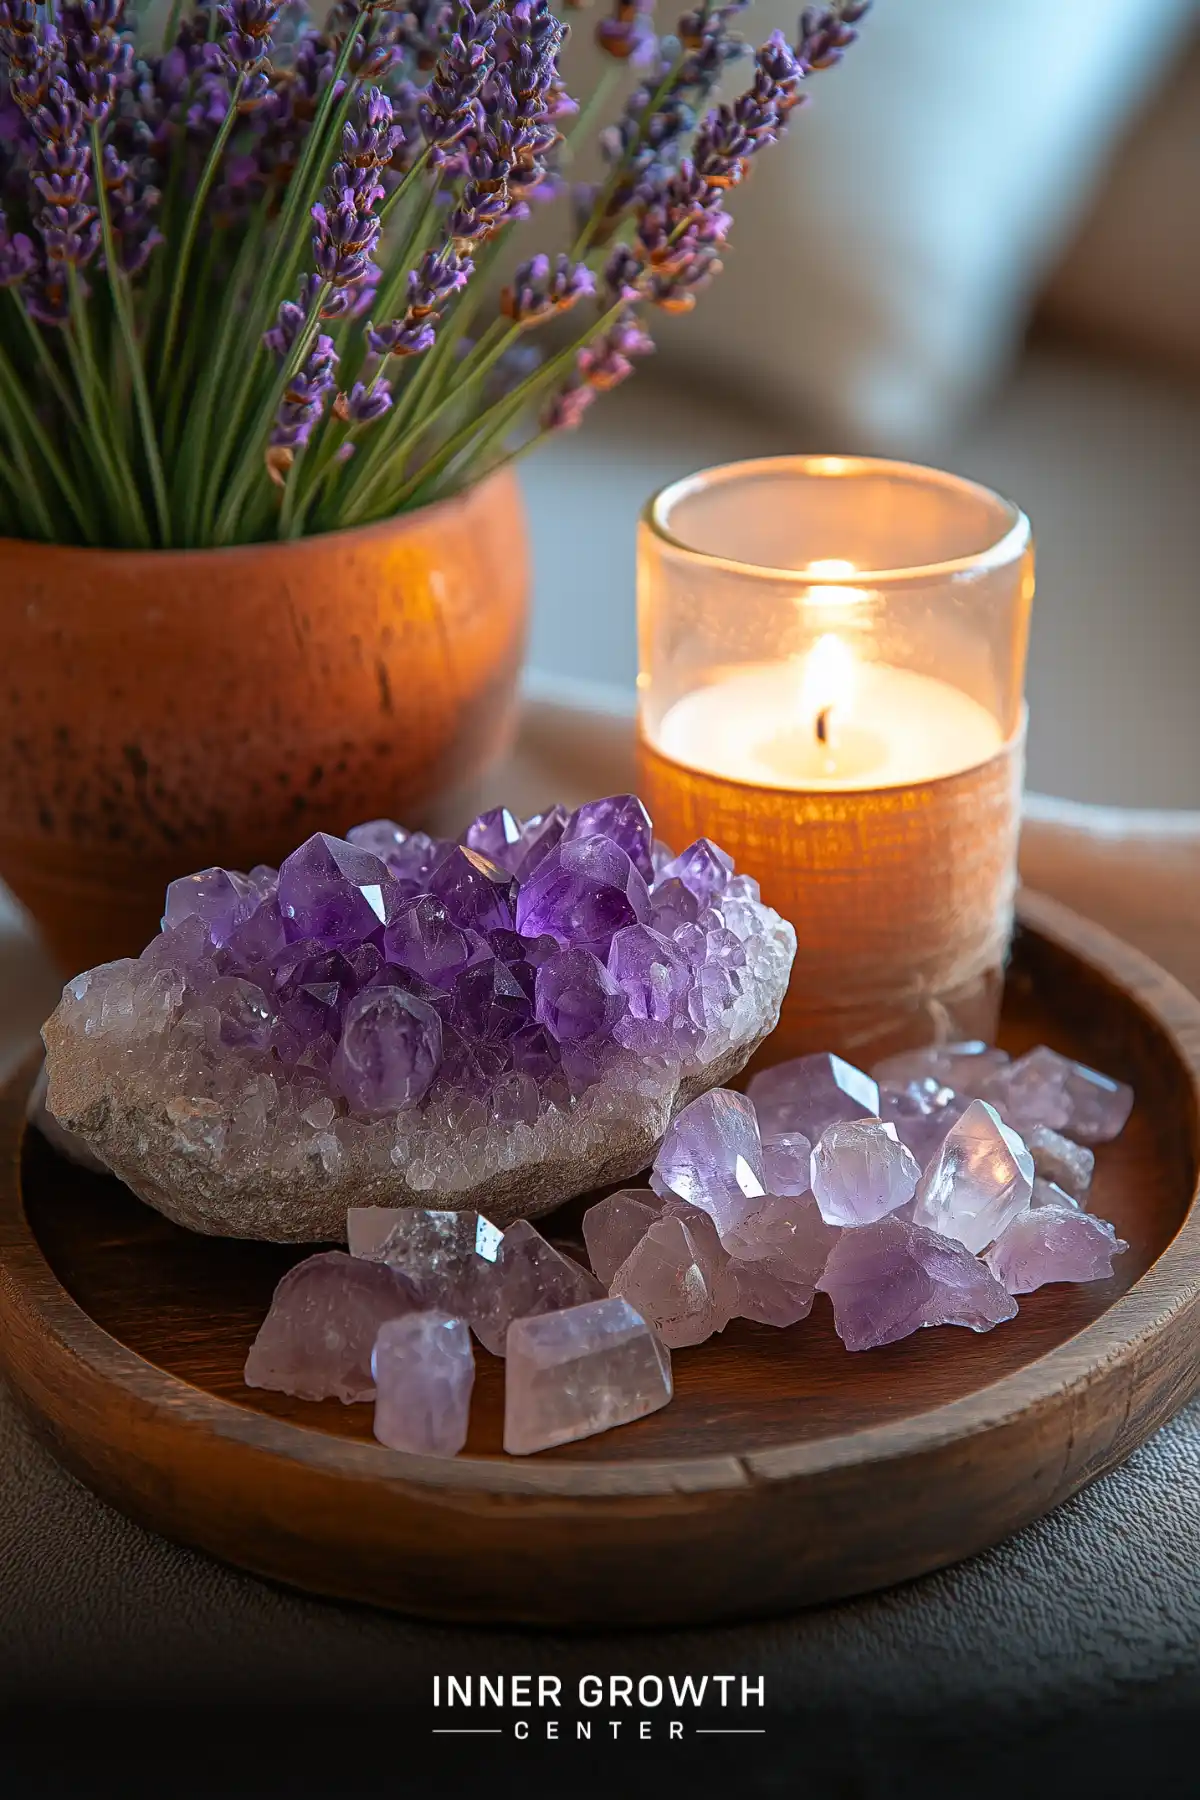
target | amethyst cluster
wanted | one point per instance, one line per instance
(517, 1012)
(929, 1192)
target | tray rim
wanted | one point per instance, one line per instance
(1168, 1289)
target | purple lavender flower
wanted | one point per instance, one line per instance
(735, 131)
(30, 50)
(539, 289)
(438, 276)
(301, 408)
(18, 259)
(98, 60)
(61, 173)
(343, 241)
(346, 230)
(603, 364)
(131, 202)
(291, 317)
(364, 404)
(248, 35)
(458, 77)
(627, 34)
(565, 412)
(826, 33)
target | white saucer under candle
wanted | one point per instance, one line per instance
(832, 664)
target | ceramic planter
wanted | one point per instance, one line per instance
(162, 711)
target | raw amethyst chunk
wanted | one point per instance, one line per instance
(861, 1171)
(583, 1370)
(1044, 1088)
(712, 1157)
(615, 1226)
(1053, 1242)
(316, 1340)
(979, 1179)
(581, 893)
(809, 1093)
(891, 1278)
(424, 1371)
(922, 1111)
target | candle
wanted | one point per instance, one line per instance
(835, 723)
(849, 727)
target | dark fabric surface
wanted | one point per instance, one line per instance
(1074, 1646)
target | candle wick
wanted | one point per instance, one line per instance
(823, 724)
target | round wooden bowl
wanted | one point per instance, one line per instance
(785, 1471)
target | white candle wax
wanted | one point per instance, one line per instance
(772, 725)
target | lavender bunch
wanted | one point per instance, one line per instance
(246, 270)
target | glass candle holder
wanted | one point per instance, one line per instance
(832, 661)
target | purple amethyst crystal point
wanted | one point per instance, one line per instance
(624, 820)
(334, 891)
(655, 980)
(258, 940)
(922, 1110)
(810, 1093)
(672, 906)
(577, 999)
(381, 837)
(702, 868)
(1053, 1241)
(424, 1371)
(582, 893)
(861, 1171)
(220, 898)
(325, 1315)
(712, 1157)
(979, 1179)
(389, 1051)
(413, 861)
(478, 894)
(892, 1278)
(675, 1283)
(247, 1016)
(490, 1001)
(1059, 1160)
(496, 835)
(613, 1227)
(577, 1372)
(787, 1164)
(446, 1257)
(528, 1276)
(423, 939)
(1044, 1088)
(1048, 1193)
(539, 835)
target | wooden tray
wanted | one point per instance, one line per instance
(786, 1471)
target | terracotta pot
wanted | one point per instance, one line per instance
(167, 710)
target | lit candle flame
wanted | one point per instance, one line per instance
(827, 685)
